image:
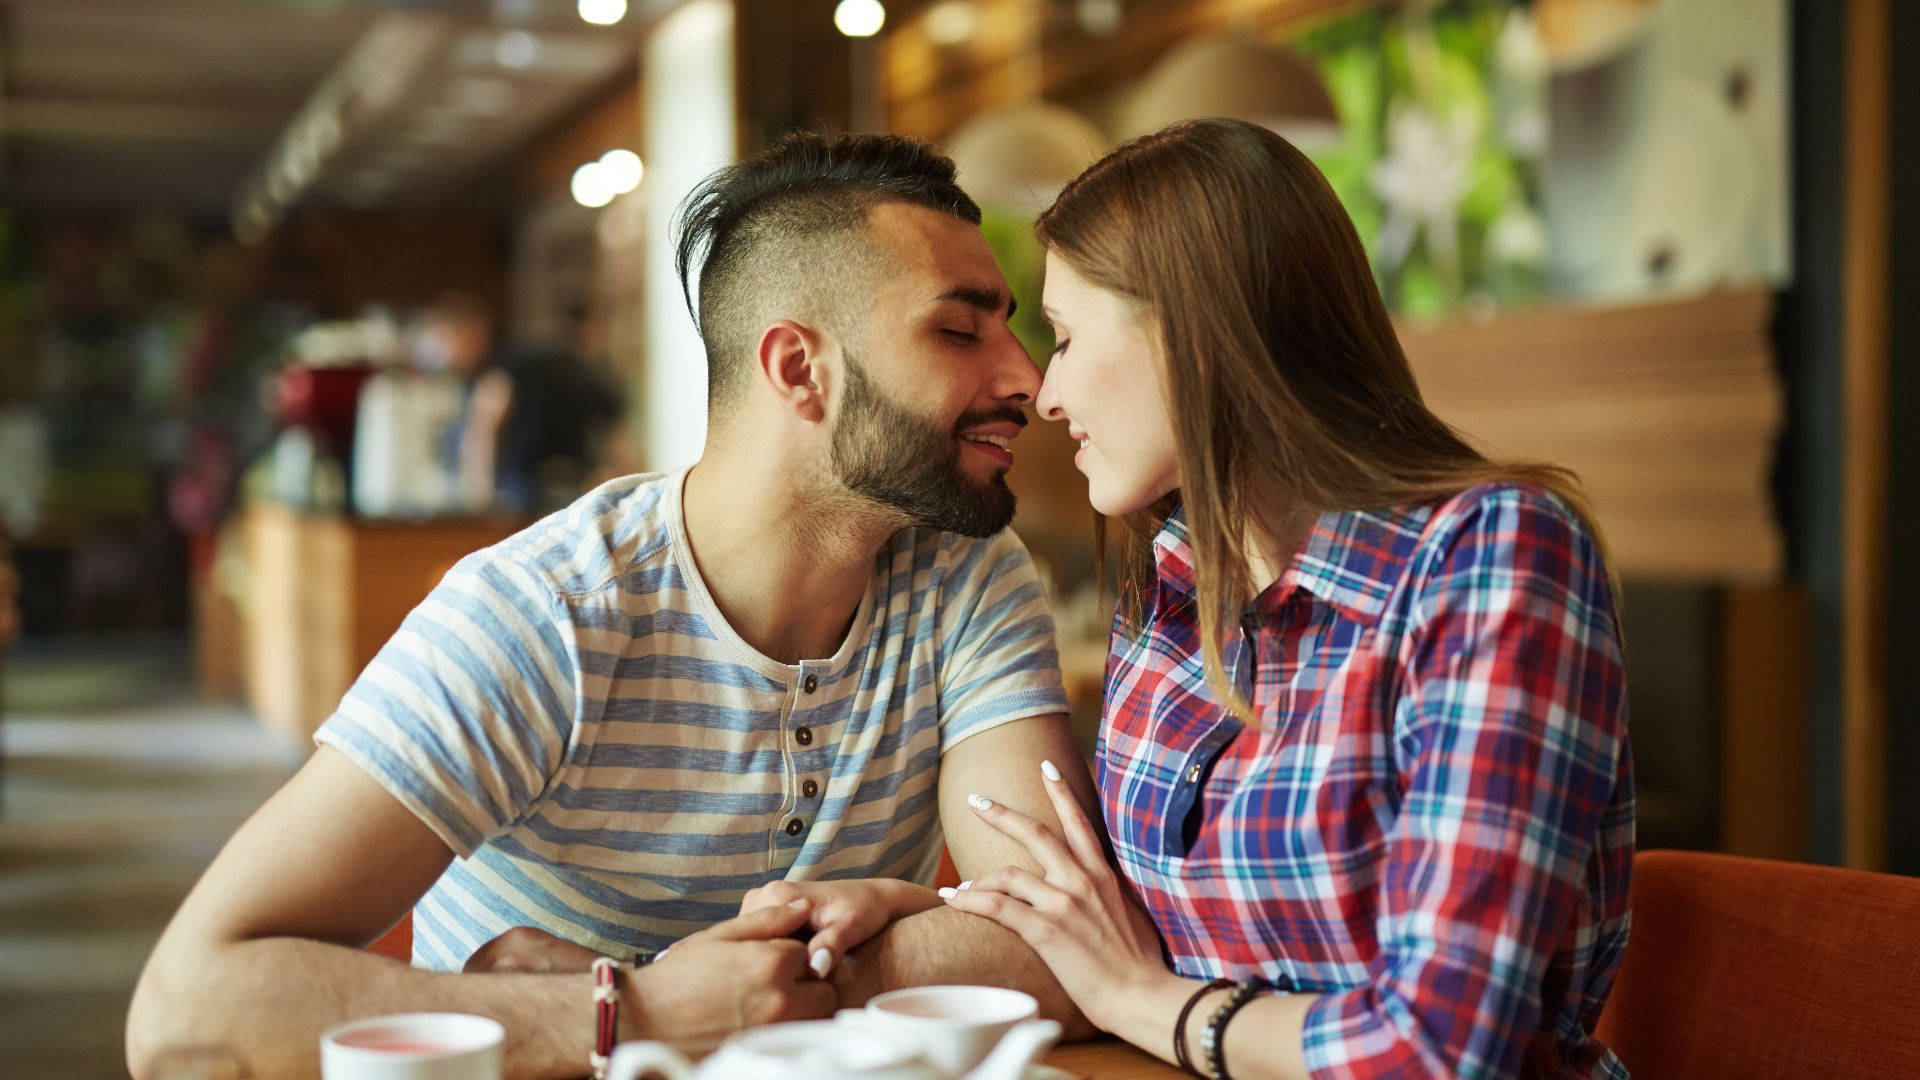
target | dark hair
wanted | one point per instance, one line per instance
(774, 223)
(1289, 390)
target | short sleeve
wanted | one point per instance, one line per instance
(466, 713)
(998, 660)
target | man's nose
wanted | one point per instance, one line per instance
(1017, 379)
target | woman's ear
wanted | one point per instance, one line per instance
(789, 362)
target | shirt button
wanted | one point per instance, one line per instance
(803, 736)
(794, 827)
(810, 683)
(809, 789)
(1193, 773)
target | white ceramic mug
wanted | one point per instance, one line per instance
(956, 1027)
(414, 1046)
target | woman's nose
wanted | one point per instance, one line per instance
(1048, 403)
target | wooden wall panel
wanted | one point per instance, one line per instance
(1763, 722)
(1668, 411)
(1863, 696)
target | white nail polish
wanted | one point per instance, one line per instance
(1047, 770)
(947, 891)
(967, 884)
(822, 961)
(979, 802)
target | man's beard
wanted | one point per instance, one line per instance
(885, 453)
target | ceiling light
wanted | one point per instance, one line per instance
(516, 49)
(592, 187)
(622, 170)
(859, 18)
(603, 12)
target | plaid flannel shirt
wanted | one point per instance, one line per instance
(1433, 826)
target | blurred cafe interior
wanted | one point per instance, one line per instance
(303, 300)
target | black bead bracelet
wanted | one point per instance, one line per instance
(1213, 1040)
(1180, 1056)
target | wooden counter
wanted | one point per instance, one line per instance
(325, 592)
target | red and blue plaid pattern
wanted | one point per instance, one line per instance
(1433, 826)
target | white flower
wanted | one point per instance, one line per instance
(1421, 180)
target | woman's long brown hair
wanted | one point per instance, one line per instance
(1289, 390)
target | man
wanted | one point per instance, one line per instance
(780, 666)
(533, 420)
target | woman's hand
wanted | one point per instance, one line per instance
(844, 913)
(1076, 914)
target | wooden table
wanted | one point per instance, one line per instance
(1109, 1059)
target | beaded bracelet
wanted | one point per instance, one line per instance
(1180, 1056)
(1213, 1039)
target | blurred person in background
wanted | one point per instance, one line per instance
(760, 688)
(1363, 757)
(535, 424)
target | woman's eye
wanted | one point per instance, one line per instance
(961, 336)
(1059, 347)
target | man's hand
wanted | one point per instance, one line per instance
(738, 974)
(527, 949)
(844, 913)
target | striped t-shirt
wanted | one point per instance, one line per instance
(613, 764)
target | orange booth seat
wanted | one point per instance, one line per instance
(398, 942)
(1755, 969)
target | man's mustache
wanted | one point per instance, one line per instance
(1005, 414)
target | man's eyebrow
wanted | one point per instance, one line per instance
(977, 296)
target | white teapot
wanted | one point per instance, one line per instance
(924, 1033)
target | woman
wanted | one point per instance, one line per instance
(1363, 758)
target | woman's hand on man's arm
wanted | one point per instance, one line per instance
(1102, 946)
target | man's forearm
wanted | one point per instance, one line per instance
(269, 1000)
(948, 946)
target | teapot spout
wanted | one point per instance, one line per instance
(1016, 1050)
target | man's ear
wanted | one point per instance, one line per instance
(790, 361)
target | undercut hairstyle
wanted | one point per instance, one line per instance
(781, 235)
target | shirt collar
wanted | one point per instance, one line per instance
(1352, 560)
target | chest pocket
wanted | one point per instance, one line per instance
(1186, 807)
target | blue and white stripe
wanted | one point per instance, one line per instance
(570, 712)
